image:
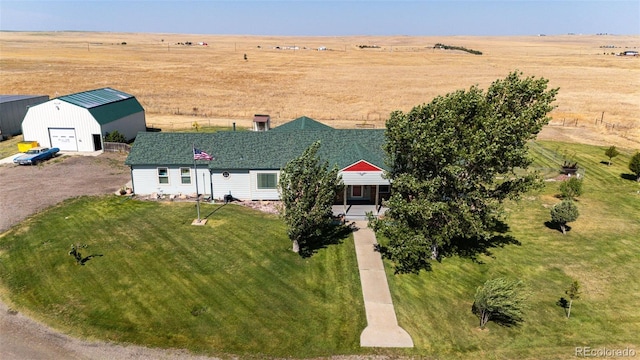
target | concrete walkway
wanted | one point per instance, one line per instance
(382, 325)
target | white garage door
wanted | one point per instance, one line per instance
(65, 139)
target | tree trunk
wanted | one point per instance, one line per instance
(434, 252)
(563, 227)
(296, 246)
(484, 318)
(569, 310)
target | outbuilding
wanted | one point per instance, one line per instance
(13, 108)
(79, 122)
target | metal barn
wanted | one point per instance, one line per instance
(13, 108)
(79, 122)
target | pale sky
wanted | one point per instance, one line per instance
(327, 18)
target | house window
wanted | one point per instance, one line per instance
(163, 175)
(356, 191)
(384, 189)
(267, 181)
(185, 175)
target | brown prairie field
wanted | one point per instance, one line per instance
(344, 86)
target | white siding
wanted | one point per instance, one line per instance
(145, 181)
(363, 178)
(263, 194)
(60, 114)
(238, 184)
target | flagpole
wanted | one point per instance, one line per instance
(195, 166)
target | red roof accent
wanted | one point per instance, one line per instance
(362, 166)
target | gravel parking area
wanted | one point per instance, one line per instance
(25, 190)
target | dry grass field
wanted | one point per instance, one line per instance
(344, 86)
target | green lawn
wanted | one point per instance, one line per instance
(601, 251)
(231, 286)
(10, 146)
(234, 287)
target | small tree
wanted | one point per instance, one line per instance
(308, 189)
(634, 165)
(571, 188)
(611, 152)
(501, 301)
(564, 212)
(115, 136)
(573, 292)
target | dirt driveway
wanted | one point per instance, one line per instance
(25, 190)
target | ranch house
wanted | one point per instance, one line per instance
(246, 164)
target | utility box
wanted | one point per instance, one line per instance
(24, 146)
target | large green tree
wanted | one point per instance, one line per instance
(308, 188)
(452, 165)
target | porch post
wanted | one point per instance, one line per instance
(377, 198)
(344, 199)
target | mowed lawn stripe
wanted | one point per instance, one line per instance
(231, 286)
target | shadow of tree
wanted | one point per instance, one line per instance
(331, 234)
(564, 304)
(631, 177)
(555, 226)
(80, 260)
(472, 247)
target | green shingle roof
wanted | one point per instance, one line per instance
(106, 104)
(258, 150)
(302, 123)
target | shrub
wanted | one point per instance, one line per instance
(115, 136)
(501, 301)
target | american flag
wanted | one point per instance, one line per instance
(201, 155)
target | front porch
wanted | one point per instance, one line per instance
(357, 212)
(357, 200)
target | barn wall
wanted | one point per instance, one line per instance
(13, 112)
(129, 126)
(60, 114)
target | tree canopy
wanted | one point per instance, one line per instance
(452, 165)
(564, 212)
(308, 189)
(501, 301)
(611, 152)
(571, 188)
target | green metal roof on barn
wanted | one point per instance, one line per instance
(106, 104)
(261, 150)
